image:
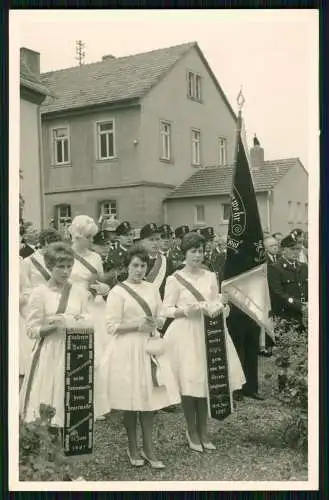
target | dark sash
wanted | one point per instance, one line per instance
(85, 263)
(153, 272)
(79, 391)
(42, 270)
(36, 355)
(219, 393)
(146, 308)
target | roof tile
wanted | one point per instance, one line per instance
(212, 181)
(110, 80)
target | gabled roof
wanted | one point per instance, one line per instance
(115, 79)
(212, 181)
(29, 79)
(110, 80)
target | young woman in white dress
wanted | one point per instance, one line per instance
(186, 342)
(126, 365)
(44, 379)
(33, 273)
(88, 273)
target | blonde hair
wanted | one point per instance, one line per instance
(83, 226)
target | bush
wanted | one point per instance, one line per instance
(291, 360)
(41, 457)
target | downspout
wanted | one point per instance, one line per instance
(41, 172)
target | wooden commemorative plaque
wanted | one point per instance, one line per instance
(218, 377)
(79, 391)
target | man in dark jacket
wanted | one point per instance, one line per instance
(288, 284)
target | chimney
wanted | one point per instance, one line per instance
(108, 56)
(256, 155)
(32, 60)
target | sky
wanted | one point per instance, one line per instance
(272, 54)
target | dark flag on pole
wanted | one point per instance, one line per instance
(245, 273)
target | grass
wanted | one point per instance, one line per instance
(249, 445)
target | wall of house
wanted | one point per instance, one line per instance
(182, 211)
(143, 207)
(30, 161)
(293, 187)
(85, 170)
(168, 101)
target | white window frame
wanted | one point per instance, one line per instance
(222, 145)
(194, 85)
(197, 220)
(223, 213)
(105, 213)
(298, 211)
(61, 225)
(290, 211)
(166, 136)
(306, 213)
(196, 161)
(98, 134)
(54, 143)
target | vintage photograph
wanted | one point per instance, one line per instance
(164, 176)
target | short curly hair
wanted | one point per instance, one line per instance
(48, 236)
(137, 250)
(192, 240)
(56, 253)
(83, 226)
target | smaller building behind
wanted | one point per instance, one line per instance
(281, 188)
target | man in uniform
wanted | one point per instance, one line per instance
(271, 246)
(175, 255)
(166, 239)
(209, 235)
(217, 259)
(298, 236)
(288, 285)
(157, 269)
(114, 265)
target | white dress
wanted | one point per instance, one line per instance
(126, 366)
(82, 276)
(185, 337)
(48, 381)
(30, 278)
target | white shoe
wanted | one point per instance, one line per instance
(101, 418)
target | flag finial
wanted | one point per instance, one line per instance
(240, 99)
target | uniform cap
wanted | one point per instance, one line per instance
(288, 242)
(296, 232)
(166, 231)
(123, 228)
(149, 230)
(208, 233)
(181, 231)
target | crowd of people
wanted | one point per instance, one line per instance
(150, 350)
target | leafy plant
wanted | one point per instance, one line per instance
(41, 457)
(291, 360)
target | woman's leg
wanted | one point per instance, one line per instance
(146, 420)
(202, 418)
(189, 408)
(130, 423)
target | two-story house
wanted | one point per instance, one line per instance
(281, 188)
(32, 93)
(120, 134)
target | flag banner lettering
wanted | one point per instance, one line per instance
(79, 391)
(245, 272)
(219, 394)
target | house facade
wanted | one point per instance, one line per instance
(32, 94)
(119, 135)
(281, 188)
